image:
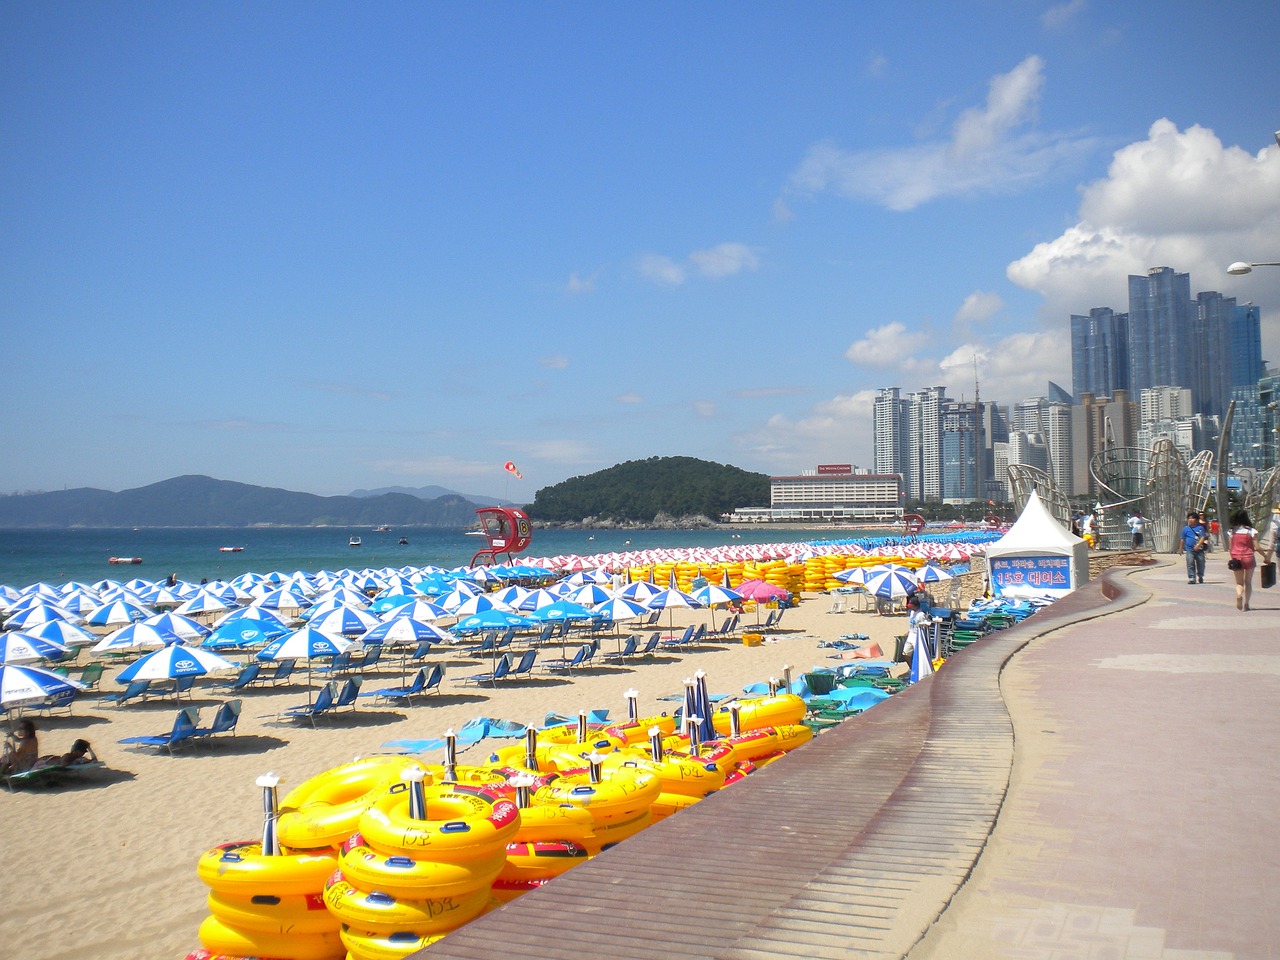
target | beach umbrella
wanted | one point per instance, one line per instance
(761, 591)
(16, 647)
(305, 644)
(711, 595)
(618, 609)
(283, 599)
(25, 684)
(590, 595)
(670, 599)
(562, 610)
(854, 575)
(117, 613)
(418, 609)
(67, 634)
(406, 630)
(477, 604)
(38, 613)
(640, 590)
(891, 584)
(347, 621)
(243, 632)
(490, 620)
(79, 601)
(176, 623)
(174, 662)
(203, 601)
(921, 655)
(135, 635)
(542, 597)
(930, 573)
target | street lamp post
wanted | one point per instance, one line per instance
(1240, 268)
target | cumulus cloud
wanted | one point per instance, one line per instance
(661, 270)
(577, 285)
(1059, 15)
(714, 263)
(991, 148)
(836, 430)
(1180, 199)
(724, 260)
(889, 346)
(978, 306)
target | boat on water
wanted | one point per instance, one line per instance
(127, 560)
(231, 549)
(404, 541)
(354, 542)
(382, 529)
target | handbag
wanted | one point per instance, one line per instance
(1268, 575)
(1234, 564)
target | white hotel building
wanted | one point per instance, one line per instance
(833, 493)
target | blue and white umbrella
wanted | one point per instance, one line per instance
(67, 634)
(619, 609)
(177, 624)
(640, 590)
(891, 585)
(203, 602)
(24, 684)
(305, 644)
(406, 630)
(172, 663)
(921, 655)
(133, 636)
(590, 595)
(269, 619)
(16, 647)
(490, 620)
(38, 613)
(242, 633)
(347, 621)
(419, 609)
(117, 613)
(561, 611)
(854, 575)
(476, 604)
(933, 574)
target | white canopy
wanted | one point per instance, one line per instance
(1037, 556)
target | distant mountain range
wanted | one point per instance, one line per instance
(197, 501)
(433, 493)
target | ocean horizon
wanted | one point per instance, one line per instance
(56, 556)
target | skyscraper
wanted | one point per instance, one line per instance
(925, 481)
(1099, 352)
(961, 480)
(891, 434)
(1160, 330)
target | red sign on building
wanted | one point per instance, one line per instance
(836, 468)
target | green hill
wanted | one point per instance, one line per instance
(196, 501)
(639, 490)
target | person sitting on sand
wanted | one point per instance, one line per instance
(80, 752)
(21, 748)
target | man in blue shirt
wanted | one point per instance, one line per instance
(1193, 542)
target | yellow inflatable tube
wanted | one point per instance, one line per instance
(637, 731)
(676, 773)
(217, 937)
(757, 712)
(381, 912)
(620, 796)
(242, 869)
(272, 914)
(402, 876)
(553, 822)
(324, 810)
(368, 945)
(462, 823)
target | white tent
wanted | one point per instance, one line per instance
(1038, 556)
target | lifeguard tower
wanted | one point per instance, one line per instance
(508, 531)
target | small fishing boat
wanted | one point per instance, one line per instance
(118, 560)
(382, 529)
(354, 542)
(230, 549)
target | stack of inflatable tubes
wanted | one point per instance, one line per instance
(403, 882)
(771, 711)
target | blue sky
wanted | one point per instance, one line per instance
(334, 246)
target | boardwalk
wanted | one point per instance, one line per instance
(1099, 782)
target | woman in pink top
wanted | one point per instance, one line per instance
(1243, 544)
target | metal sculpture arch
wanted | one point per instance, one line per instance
(1024, 478)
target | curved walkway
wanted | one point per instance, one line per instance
(1132, 816)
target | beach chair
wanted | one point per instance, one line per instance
(92, 674)
(500, 670)
(50, 774)
(422, 649)
(136, 690)
(837, 605)
(309, 711)
(224, 721)
(348, 693)
(406, 694)
(283, 671)
(340, 663)
(183, 685)
(525, 667)
(629, 649)
(545, 633)
(372, 657)
(435, 679)
(681, 641)
(568, 663)
(247, 676)
(184, 728)
(652, 619)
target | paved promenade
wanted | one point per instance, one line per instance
(1143, 815)
(1098, 783)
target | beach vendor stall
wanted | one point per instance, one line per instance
(1037, 557)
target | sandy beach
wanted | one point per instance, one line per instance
(105, 864)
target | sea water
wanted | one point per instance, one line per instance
(56, 556)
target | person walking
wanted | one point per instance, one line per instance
(1137, 527)
(1192, 543)
(1273, 535)
(1243, 545)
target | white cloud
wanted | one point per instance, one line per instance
(577, 285)
(837, 430)
(661, 270)
(553, 362)
(1059, 15)
(629, 398)
(1179, 199)
(877, 65)
(889, 346)
(724, 260)
(714, 263)
(978, 306)
(704, 408)
(990, 149)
